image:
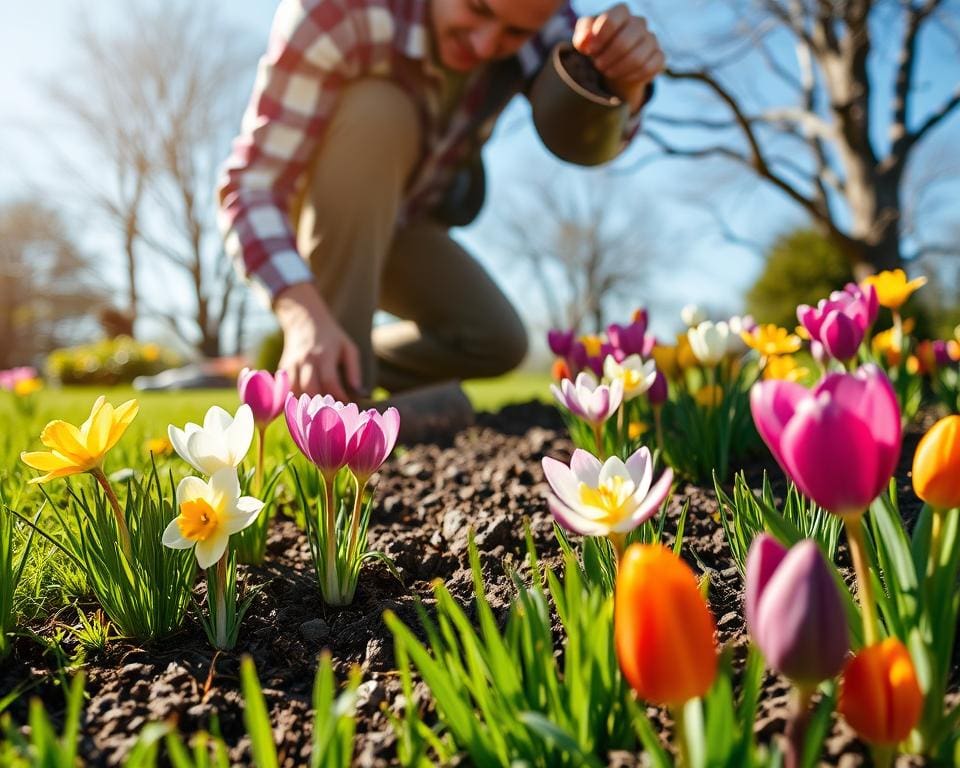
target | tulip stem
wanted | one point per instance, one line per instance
(122, 528)
(258, 476)
(598, 438)
(355, 521)
(680, 723)
(858, 550)
(797, 724)
(883, 755)
(936, 539)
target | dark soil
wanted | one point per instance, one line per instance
(489, 479)
(582, 70)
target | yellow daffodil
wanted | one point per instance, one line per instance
(74, 450)
(892, 287)
(784, 367)
(709, 396)
(771, 340)
(26, 387)
(888, 343)
(802, 332)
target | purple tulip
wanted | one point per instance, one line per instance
(322, 427)
(839, 442)
(658, 392)
(265, 394)
(794, 610)
(840, 336)
(578, 357)
(561, 342)
(372, 442)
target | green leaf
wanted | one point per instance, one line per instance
(256, 718)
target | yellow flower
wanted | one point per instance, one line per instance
(784, 367)
(25, 387)
(158, 446)
(802, 332)
(74, 450)
(685, 357)
(888, 343)
(770, 340)
(892, 287)
(709, 396)
(635, 429)
(592, 344)
(666, 359)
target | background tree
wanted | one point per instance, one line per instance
(49, 290)
(822, 99)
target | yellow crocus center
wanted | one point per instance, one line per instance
(631, 379)
(592, 344)
(198, 520)
(609, 498)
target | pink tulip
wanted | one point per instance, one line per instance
(839, 442)
(321, 427)
(840, 336)
(265, 394)
(372, 441)
(841, 322)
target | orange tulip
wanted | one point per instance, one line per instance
(662, 627)
(936, 465)
(879, 694)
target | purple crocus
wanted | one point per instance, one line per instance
(561, 342)
(839, 442)
(372, 441)
(629, 339)
(794, 611)
(266, 394)
(659, 391)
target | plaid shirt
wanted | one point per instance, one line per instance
(315, 47)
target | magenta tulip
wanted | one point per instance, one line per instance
(560, 342)
(629, 339)
(840, 323)
(794, 611)
(372, 441)
(839, 442)
(265, 394)
(840, 336)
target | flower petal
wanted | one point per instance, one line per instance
(563, 482)
(586, 467)
(210, 550)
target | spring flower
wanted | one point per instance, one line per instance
(839, 442)
(321, 428)
(631, 339)
(210, 512)
(80, 449)
(936, 465)
(709, 341)
(794, 610)
(932, 355)
(158, 446)
(592, 344)
(663, 630)
(892, 287)
(840, 322)
(666, 359)
(709, 395)
(595, 499)
(222, 441)
(560, 370)
(784, 367)
(685, 357)
(738, 325)
(635, 430)
(27, 387)
(560, 342)
(659, 391)
(372, 441)
(636, 375)
(880, 696)
(587, 399)
(769, 340)
(888, 344)
(264, 393)
(692, 315)
(13, 377)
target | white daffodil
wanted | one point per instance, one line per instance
(709, 341)
(222, 441)
(210, 512)
(595, 499)
(637, 376)
(692, 315)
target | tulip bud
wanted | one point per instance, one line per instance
(879, 694)
(794, 611)
(264, 393)
(936, 465)
(658, 392)
(663, 629)
(840, 336)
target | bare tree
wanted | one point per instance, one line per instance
(583, 254)
(157, 100)
(820, 146)
(47, 287)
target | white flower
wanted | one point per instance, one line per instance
(594, 500)
(692, 315)
(709, 341)
(222, 441)
(637, 376)
(587, 399)
(209, 514)
(737, 326)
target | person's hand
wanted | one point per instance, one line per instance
(627, 54)
(315, 347)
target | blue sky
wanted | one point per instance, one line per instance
(669, 200)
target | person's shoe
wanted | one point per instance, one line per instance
(434, 412)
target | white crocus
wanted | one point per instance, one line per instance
(210, 512)
(692, 315)
(588, 399)
(222, 441)
(709, 341)
(595, 499)
(637, 376)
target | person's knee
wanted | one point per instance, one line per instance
(504, 346)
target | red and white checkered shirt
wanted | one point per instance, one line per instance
(315, 47)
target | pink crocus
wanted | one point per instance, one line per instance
(321, 427)
(839, 442)
(372, 442)
(265, 393)
(585, 398)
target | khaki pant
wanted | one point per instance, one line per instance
(456, 323)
